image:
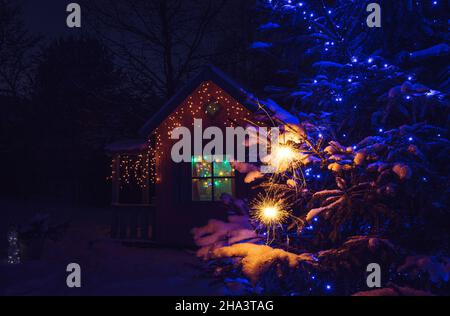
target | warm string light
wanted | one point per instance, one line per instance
(196, 107)
(145, 168)
(134, 169)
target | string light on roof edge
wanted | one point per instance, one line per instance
(192, 107)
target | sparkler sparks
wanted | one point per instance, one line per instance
(270, 211)
(283, 158)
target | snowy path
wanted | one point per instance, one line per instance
(108, 268)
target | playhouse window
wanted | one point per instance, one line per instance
(211, 179)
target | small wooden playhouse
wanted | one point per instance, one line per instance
(159, 200)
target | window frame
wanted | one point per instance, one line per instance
(212, 178)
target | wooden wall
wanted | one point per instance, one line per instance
(176, 213)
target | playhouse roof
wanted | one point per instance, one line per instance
(209, 73)
(130, 146)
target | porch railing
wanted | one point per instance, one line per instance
(133, 222)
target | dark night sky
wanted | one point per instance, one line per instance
(47, 17)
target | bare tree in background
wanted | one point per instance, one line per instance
(16, 50)
(159, 42)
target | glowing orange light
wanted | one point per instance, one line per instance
(270, 211)
(283, 158)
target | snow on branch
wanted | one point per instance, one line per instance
(218, 234)
(434, 51)
(258, 259)
(280, 113)
(393, 291)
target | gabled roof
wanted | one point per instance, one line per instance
(209, 73)
(129, 146)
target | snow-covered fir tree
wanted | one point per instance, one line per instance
(365, 149)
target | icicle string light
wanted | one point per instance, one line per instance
(206, 101)
(229, 112)
(134, 169)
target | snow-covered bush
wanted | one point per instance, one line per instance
(426, 272)
(217, 234)
(268, 270)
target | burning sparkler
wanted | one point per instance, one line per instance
(283, 158)
(270, 211)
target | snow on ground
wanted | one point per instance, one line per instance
(108, 267)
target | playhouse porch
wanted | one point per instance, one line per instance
(132, 196)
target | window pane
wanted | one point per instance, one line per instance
(202, 190)
(201, 168)
(223, 169)
(223, 186)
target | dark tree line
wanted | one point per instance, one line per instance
(162, 43)
(17, 48)
(63, 100)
